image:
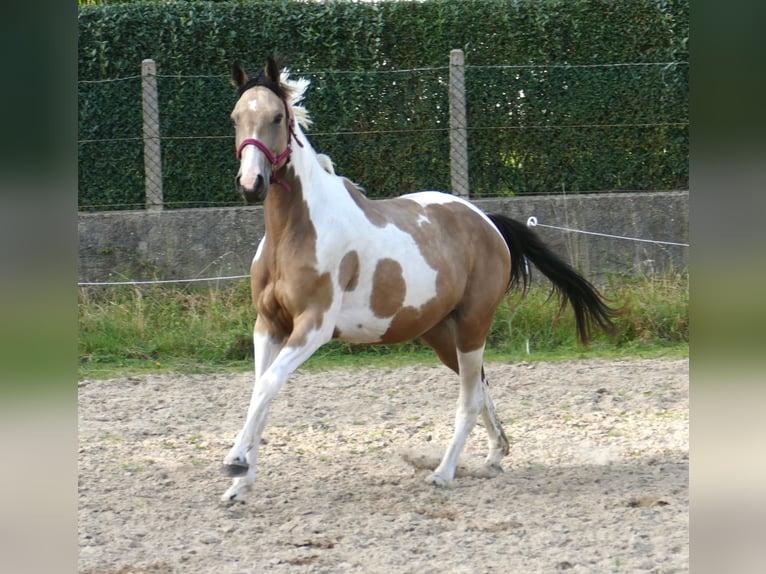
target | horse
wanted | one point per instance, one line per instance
(334, 264)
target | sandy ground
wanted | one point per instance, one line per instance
(596, 481)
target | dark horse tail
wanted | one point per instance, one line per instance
(568, 284)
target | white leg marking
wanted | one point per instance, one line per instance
(265, 350)
(498, 442)
(470, 403)
(244, 453)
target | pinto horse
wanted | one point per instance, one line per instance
(334, 264)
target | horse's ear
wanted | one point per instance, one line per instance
(238, 75)
(272, 68)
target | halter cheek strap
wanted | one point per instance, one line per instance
(278, 159)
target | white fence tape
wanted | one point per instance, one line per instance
(531, 222)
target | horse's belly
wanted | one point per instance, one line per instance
(360, 325)
(394, 292)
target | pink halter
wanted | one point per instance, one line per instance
(262, 146)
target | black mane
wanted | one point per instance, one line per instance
(269, 78)
(263, 80)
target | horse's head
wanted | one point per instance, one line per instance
(263, 124)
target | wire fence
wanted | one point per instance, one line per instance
(147, 141)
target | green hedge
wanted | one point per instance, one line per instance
(558, 119)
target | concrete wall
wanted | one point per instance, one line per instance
(214, 242)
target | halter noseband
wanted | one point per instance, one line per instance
(275, 160)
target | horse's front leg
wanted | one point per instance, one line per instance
(241, 460)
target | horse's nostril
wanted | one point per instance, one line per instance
(255, 191)
(259, 183)
(256, 186)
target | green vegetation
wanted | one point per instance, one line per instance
(582, 95)
(133, 329)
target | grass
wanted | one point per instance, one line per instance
(158, 328)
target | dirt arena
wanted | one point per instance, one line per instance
(596, 480)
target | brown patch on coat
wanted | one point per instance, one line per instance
(348, 273)
(388, 288)
(472, 266)
(289, 294)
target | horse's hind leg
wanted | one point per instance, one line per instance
(498, 442)
(469, 404)
(442, 340)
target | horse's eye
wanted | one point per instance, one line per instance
(278, 119)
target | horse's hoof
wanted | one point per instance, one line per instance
(235, 493)
(492, 469)
(235, 469)
(437, 480)
(493, 463)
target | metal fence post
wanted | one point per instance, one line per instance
(152, 151)
(458, 133)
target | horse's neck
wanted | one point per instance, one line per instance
(304, 162)
(286, 210)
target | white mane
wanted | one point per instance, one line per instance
(296, 89)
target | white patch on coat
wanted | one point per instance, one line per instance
(356, 320)
(260, 249)
(347, 228)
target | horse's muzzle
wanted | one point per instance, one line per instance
(258, 192)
